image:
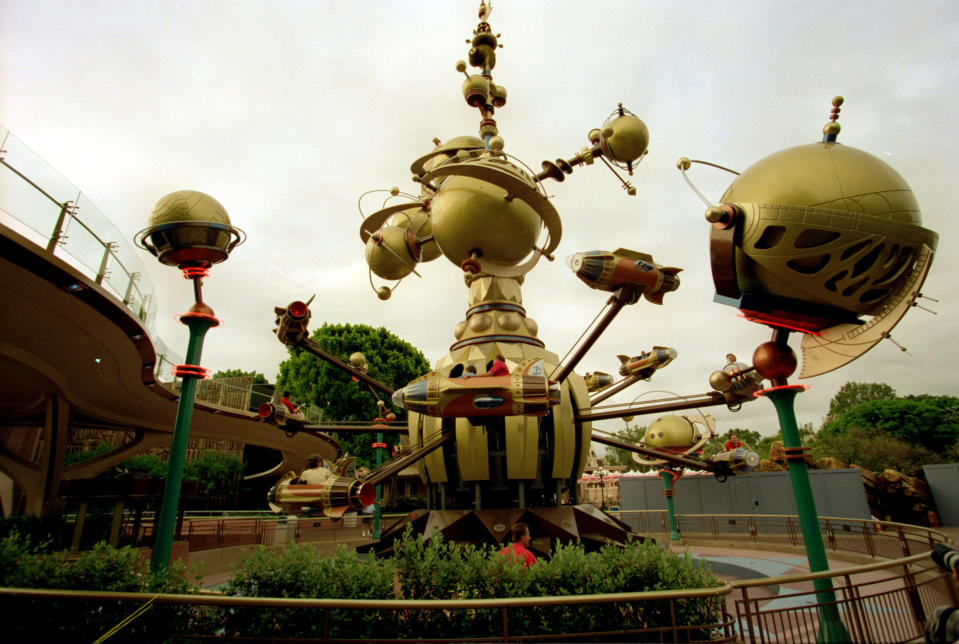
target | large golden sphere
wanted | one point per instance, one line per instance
(828, 175)
(671, 432)
(188, 227)
(823, 225)
(388, 253)
(472, 215)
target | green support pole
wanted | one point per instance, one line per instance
(166, 522)
(379, 488)
(668, 479)
(831, 627)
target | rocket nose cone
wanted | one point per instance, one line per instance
(397, 398)
(672, 353)
(575, 261)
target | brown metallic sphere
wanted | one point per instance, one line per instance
(773, 360)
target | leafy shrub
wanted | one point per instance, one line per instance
(25, 565)
(437, 569)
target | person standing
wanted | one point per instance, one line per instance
(518, 550)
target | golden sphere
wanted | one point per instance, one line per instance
(189, 228)
(628, 140)
(188, 206)
(384, 293)
(388, 254)
(418, 220)
(358, 360)
(480, 322)
(671, 431)
(510, 321)
(472, 215)
(773, 360)
(831, 176)
(720, 380)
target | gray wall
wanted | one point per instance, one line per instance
(944, 482)
(837, 493)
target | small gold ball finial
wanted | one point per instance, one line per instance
(832, 128)
(383, 293)
(496, 143)
(395, 190)
(461, 66)
(683, 163)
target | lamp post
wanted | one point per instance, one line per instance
(192, 231)
(603, 473)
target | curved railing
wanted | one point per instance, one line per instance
(854, 536)
(38, 203)
(886, 601)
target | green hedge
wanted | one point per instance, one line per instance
(433, 569)
(436, 569)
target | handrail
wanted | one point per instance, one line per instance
(210, 599)
(833, 572)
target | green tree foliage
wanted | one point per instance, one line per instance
(258, 378)
(853, 394)
(24, 564)
(102, 447)
(875, 451)
(749, 438)
(218, 472)
(314, 381)
(914, 421)
(616, 456)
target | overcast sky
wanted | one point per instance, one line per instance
(286, 112)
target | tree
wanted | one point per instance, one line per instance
(258, 378)
(749, 438)
(876, 452)
(314, 381)
(616, 456)
(914, 421)
(852, 394)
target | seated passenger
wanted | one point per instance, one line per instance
(469, 372)
(315, 472)
(498, 368)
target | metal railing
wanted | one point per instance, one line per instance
(886, 601)
(41, 205)
(513, 619)
(854, 536)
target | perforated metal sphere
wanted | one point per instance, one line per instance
(827, 224)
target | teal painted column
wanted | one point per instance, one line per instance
(199, 324)
(379, 486)
(669, 477)
(831, 627)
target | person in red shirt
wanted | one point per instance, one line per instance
(285, 401)
(498, 368)
(732, 443)
(517, 550)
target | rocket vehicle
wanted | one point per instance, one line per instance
(525, 391)
(597, 381)
(612, 271)
(334, 497)
(279, 416)
(646, 363)
(735, 461)
(292, 322)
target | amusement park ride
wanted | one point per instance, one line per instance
(820, 239)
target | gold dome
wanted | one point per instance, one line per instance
(827, 175)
